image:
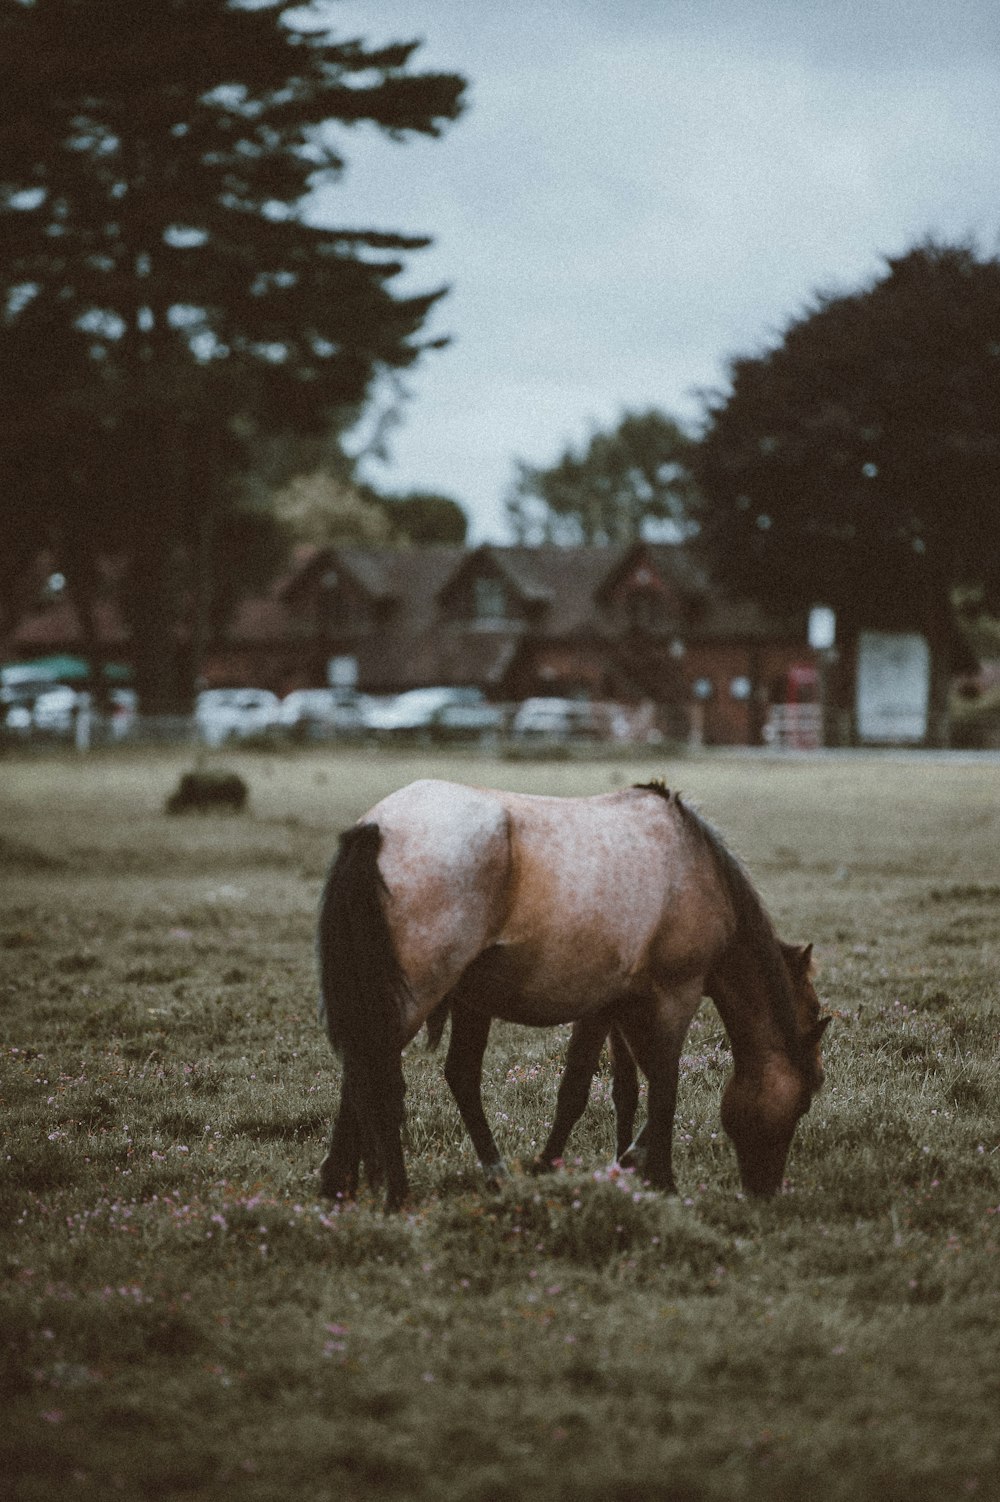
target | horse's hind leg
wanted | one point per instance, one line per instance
(338, 1175)
(624, 1091)
(582, 1059)
(463, 1070)
(391, 1143)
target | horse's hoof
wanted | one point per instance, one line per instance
(662, 1186)
(495, 1174)
(543, 1165)
(634, 1157)
(343, 1194)
(334, 1185)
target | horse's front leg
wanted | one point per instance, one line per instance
(655, 1029)
(582, 1059)
(624, 1091)
(463, 1070)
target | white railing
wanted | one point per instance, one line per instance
(796, 727)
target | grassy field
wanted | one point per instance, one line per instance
(183, 1318)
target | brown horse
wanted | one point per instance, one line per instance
(620, 910)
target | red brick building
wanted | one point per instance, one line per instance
(637, 625)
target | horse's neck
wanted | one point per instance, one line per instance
(744, 996)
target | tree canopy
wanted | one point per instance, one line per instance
(313, 489)
(612, 489)
(857, 462)
(327, 507)
(163, 294)
(423, 517)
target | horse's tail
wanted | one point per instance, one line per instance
(363, 989)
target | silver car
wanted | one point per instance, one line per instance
(320, 713)
(235, 714)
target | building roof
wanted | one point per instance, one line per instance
(409, 615)
(55, 625)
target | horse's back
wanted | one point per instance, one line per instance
(435, 826)
(608, 891)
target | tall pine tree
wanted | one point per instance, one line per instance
(164, 299)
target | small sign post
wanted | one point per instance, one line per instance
(822, 636)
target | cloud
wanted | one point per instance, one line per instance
(638, 193)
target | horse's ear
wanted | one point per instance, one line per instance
(798, 957)
(820, 1028)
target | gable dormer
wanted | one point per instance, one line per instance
(641, 595)
(339, 592)
(483, 592)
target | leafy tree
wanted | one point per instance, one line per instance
(27, 390)
(858, 461)
(313, 485)
(329, 506)
(612, 490)
(157, 267)
(422, 518)
(325, 508)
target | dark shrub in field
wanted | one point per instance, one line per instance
(205, 791)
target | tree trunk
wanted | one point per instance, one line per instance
(12, 602)
(154, 612)
(939, 629)
(81, 582)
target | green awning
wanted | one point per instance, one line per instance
(62, 668)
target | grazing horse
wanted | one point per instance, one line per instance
(619, 910)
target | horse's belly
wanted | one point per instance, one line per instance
(516, 985)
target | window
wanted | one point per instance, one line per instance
(334, 606)
(644, 608)
(489, 599)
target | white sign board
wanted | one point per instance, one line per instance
(822, 631)
(342, 672)
(892, 687)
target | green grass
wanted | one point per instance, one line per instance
(183, 1318)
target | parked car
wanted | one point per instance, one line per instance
(565, 719)
(468, 715)
(17, 705)
(57, 712)
(318, 713)
(436, 711)
(235, 714)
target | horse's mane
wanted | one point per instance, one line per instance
(754, 925)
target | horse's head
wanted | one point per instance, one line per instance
(761, 1106)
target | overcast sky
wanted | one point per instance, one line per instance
(640, 189)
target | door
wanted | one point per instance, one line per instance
(892, 689)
